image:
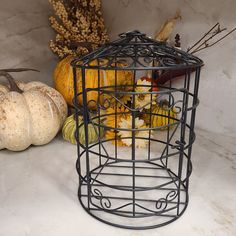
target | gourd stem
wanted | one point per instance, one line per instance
(12, 83)
(18, 70)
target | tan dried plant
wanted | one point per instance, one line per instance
(79, 25)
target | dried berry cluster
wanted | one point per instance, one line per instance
(79, 24)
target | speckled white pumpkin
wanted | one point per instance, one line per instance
(33, 115)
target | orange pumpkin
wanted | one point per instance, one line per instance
(63, 79)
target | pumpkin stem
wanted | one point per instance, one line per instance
(164, 103)
(18, 70)
(12, 83)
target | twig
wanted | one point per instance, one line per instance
(207, 40)
(195, 44)
(212, 44)
(19, 70)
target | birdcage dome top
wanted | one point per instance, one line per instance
(134, 50)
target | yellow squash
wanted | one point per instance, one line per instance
(161, 116)
(63, 79)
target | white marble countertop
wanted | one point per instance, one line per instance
(38, 193)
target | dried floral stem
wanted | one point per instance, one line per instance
(12, 83)
(177, 41)
(203, 44)
(19, 70)
(212, 44)
(207, 33)
(79, 24)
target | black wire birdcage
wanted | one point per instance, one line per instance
(137, 130)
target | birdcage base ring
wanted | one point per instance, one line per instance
(141, 207)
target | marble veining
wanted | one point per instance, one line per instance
(24, 37)
(38, 193)
(225, 150)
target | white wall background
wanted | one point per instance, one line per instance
(217, 110)
(25, 32)
(24, 36)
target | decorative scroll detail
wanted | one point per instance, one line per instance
(178, 145)
(111, 96)
(138, 49)
(91, 103)
(104, 201)
(162, 203)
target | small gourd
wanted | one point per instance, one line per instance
(162, 116)
(69, 128)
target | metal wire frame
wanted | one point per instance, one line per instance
(126, 187)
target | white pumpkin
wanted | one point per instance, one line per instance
(30, 113)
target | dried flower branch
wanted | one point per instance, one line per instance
(207, 33)
(79, 25)
(177, 41)
(164, 33)
(205, 41)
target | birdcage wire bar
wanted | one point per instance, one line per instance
(127, 186)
